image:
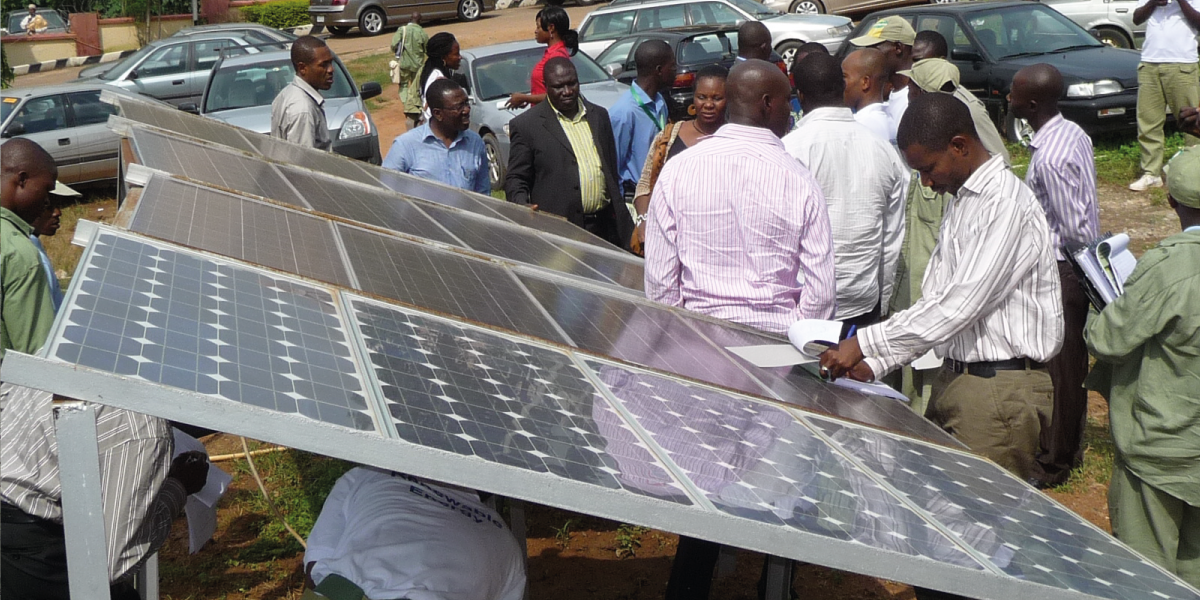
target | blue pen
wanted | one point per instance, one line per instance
(850, 334)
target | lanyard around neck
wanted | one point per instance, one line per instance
(660, 121)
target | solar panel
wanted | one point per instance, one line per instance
(225, 169)
(171, 119)
(307, 158)
(447, 283)
(1026, 534)
(475, 393)
(522, 215)
(623, 269)
(234, 226)
(159, 314)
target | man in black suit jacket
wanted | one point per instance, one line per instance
(544, 168)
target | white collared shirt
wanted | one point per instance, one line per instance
(298, 116)
(865, 186)
(875, 118)
(1170, 38)
(991, 291)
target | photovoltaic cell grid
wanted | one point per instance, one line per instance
(170, 317)
(1023, 532)
(252, 231)
(147, 311)
(310, 159)
(197, 127)
(473, 393)
(225, 169)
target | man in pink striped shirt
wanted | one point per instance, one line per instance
(737, 227)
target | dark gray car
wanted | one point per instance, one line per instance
(371, 17)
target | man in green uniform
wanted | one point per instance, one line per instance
(27, 176)
(408, 44)
(1147, 353)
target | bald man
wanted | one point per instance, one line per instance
(1062, 174)
(754, 41)
(27, 176)
(866, 76)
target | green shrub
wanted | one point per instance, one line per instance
(280, 14)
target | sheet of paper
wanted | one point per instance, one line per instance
(201, 507)
(1117, 260)
(771, 355)
(877, 389)
(807, 330)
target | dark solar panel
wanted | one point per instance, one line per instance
(171, 119)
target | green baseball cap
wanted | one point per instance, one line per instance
(887, 29)
(1183, 177)
(932, 73)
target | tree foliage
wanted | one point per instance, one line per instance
(6, 74)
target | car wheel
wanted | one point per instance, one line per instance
(787, 51)
(1114, 37)
(469, 10)
(807, 7)
(1017, 131)
(338, 30)
(371, 21)
(496, 167)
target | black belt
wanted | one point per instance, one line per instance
(12, 515)
(987, 369)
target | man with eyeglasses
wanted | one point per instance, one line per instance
(444, 149)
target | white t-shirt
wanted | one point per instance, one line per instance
(896, 105)
(875, 118)
(397, 536)
(1169, 36)
(433, 76)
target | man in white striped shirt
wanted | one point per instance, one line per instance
(737, 229)
(1062, 174)
(991, 303)
(865, 202)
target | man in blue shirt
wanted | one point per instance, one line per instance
(639, 115)
(444, 149)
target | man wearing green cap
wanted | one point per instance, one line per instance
(893, 36)
(940, 75)
(1148, 367)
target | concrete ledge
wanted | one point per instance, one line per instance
(74, 61)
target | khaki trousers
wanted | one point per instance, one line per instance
(1160, 85)
(1162, 527)
(998, 417)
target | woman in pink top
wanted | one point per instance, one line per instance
(554, 30)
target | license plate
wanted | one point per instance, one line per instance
(320, 19)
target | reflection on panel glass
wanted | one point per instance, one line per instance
(467, 391)
(431, 192)
(756, 461)
(627, 273)
(512, 243)
(1020, 530)
(541, 221)
(200, 325)
(381, 208)
(226, 169)
(166, 117)
(310, 159)
(211, 220)
(443, 282)
(638, 333)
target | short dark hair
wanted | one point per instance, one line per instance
(819, 78)
(932, 120)
(936, 42)
(435, 96)
(805, 49)
(650, 55)
(304, 49)
(712, 72)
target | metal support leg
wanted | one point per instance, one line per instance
(83, 508)
(147, 579)
(726, 561)
(516, 523)
(779, 578)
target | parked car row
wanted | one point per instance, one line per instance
(371, 17)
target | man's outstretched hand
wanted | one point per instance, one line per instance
(846, 359)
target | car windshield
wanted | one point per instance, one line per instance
(123, 65)
(258, 84)
(755, 9)
(53, 20)
(503, 75)
(1027, 30)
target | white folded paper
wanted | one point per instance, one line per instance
(785, 355)
(201, 507)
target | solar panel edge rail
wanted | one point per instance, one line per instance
(182, 267)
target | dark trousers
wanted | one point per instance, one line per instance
(1062, 442)
(863, 320)
(33, 560)
(603, 224)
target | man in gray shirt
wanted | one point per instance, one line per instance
(297, 114)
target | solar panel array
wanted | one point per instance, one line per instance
(473, 340)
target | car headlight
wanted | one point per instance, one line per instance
(1089, 89)
(356, 125)
(841, 30)
(506, 129)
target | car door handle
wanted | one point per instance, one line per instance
(1122, 10)
(64, 141)
(177, 82)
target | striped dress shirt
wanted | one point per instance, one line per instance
(591, 173)
(991, 291)
(737, 229)
(135, 454)
(1062, 174)
(865, 201)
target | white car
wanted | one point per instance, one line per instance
(788, 31)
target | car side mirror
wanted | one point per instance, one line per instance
(966, 55)
(370, 89)
(1096, 34)
(190, 107)
(613, 70)
(133, 75)
(14, 130)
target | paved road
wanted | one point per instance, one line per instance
(494, 27)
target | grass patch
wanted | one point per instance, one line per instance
(1097, 460)
(372, 68)
(64, 255)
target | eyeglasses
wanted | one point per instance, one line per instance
(456, 108)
